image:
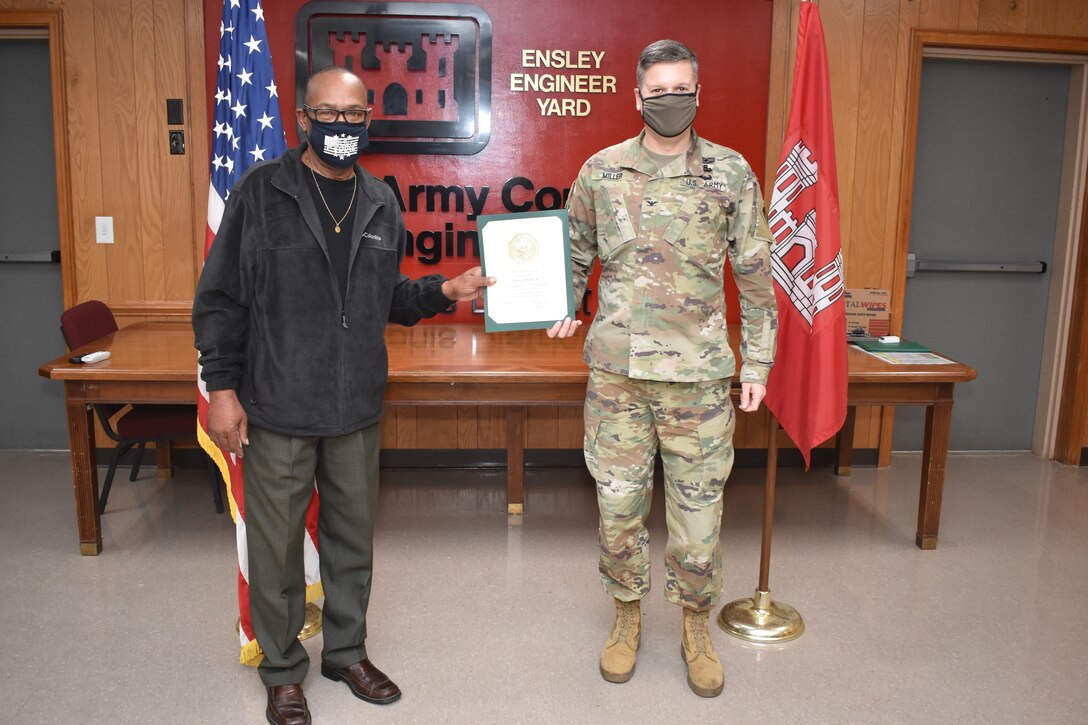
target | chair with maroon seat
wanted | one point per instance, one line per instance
(142, 424)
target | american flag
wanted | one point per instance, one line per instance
(247, 129)
(247, 126)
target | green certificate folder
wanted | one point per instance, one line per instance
(529, 256)
(901, 346)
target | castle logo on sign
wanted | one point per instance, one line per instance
(426, 66)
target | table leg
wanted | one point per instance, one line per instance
(164, 459)
(934, 457)
(844, 443)
(515, 459)
(85, 477)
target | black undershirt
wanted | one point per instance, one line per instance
(338, 195)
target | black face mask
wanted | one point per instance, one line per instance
(337, 144)
(669, 114)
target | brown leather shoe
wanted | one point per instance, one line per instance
(287, 706)
(365, 680)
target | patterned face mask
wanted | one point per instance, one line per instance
(669, 114)
(337, 144)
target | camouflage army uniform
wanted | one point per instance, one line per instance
(659, 352)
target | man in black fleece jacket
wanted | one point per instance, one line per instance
(289, 315)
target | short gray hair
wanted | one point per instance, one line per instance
(665, 51)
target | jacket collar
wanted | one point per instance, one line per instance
(634, 158)
(292, 176)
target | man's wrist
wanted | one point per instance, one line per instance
(755, 373)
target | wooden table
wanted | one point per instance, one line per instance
(875, 382)
(155, 362)
(149, 363)
(463, 365)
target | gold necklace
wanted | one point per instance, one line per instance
(336, 221)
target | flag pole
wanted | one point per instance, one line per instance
(757, 618)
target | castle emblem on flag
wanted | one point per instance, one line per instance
(792, 219)
(806, 389)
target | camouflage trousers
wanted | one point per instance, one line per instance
(626, 421)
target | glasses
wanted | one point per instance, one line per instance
(331, 115)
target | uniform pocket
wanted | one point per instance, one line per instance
(614, 226)
(716, 444)
(591, 419)
(697, 231)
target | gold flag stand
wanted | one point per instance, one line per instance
(759, 619)
(312, 624)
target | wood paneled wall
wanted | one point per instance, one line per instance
(125, 57)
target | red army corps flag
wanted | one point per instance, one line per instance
(806, 389)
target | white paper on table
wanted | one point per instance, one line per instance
(909, 358)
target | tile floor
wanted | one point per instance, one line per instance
(484, 618)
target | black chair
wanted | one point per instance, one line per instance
(142, 424)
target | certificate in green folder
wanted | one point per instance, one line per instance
(529, 256)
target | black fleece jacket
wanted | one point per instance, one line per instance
(268, 315)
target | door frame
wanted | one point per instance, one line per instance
(1063, 404)
(24, 23)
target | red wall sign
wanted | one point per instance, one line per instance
(497, 104)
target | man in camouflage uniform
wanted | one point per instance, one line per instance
(663, 211)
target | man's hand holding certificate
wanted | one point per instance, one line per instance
(528, 255)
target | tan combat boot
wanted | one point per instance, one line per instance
(704, 668)
(618, 655)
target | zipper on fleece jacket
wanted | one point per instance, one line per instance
(343, 374)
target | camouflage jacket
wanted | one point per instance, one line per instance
(663, 236)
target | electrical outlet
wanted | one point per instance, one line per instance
(103, 229)
(177, 142)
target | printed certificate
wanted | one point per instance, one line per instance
(529, 257)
